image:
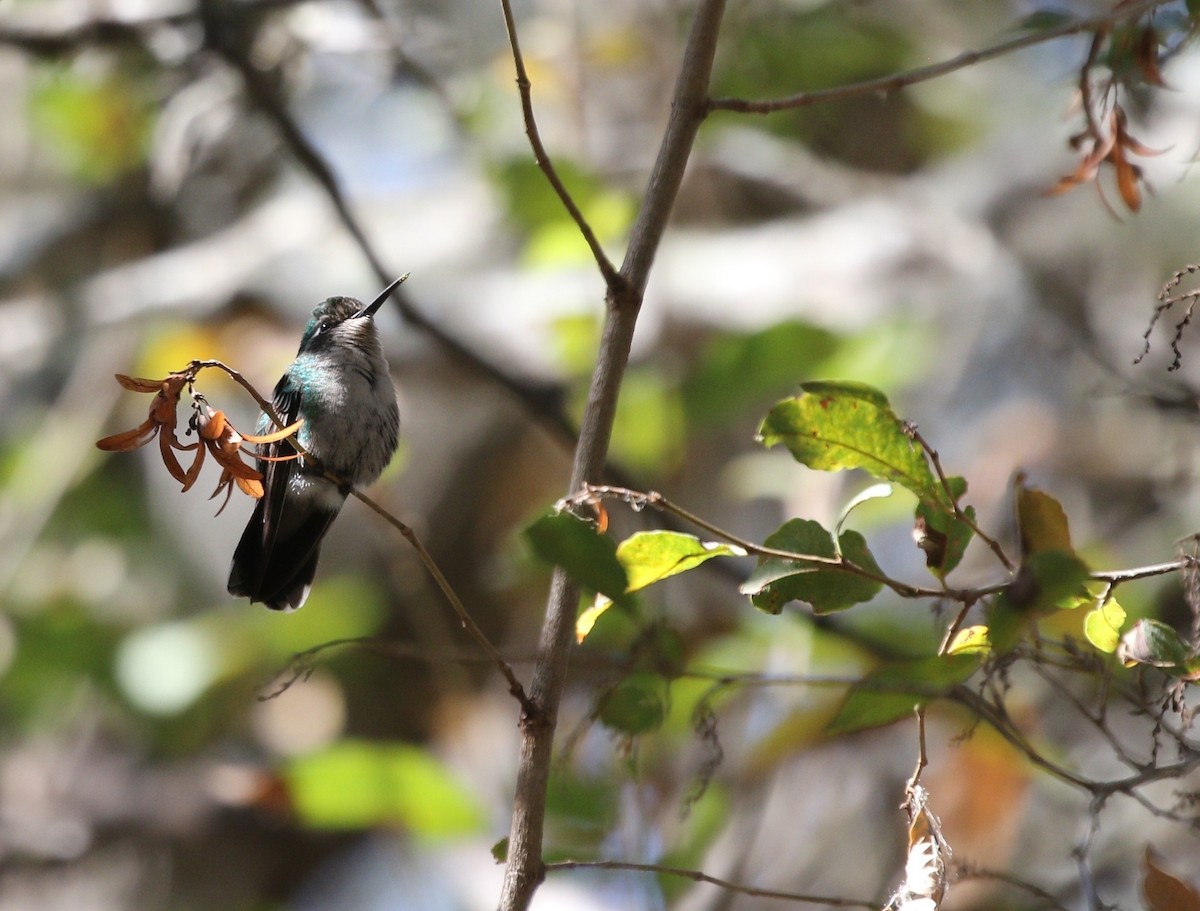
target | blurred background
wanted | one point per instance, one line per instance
(159, 745)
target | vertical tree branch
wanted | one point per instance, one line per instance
(689, 105)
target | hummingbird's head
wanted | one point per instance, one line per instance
(343, 320)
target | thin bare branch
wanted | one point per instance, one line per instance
(514, 685)
(612, 278)
(967, 871)
(959, 515)
(701, 877)
(688, 108)
(887, 84)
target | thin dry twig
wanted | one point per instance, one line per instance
(964, 871)
(959, 514)
(1166, 301)
(514, 685)
(887, 84)
(524, 870)
(701, 877)
(612, 278)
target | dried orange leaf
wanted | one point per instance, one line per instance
(1127, 180)
(139, 384)
(1164, 892)
(250, 486)
(166, 444)
(276, 436)
(194, 471)
(213, 426)
(129, 440)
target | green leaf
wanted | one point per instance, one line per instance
(973, 640)
(776, 580)
(651, 556)
(356, 785)
(1041, 522)
(1102, 626)
(942, 536)
(589, 558)
(1047, 581)
(1153, 642)
(837, 426)
(636, 705)
(892, 692)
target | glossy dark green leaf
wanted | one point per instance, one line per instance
(838, 426)
(589, 558)
(776, 580)
(891, 693)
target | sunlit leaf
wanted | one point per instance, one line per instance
(892, 692)
(586, 621)
(1102, 626)
(650, 556)
(837, 426)
(776, 580)
(357, 785)
(972, 640)
(589, 558)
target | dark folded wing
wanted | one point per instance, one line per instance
(277, 475)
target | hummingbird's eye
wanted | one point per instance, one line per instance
(321, 327)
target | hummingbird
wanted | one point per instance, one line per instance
(340, 386)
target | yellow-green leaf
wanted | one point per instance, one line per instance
(651, 556)
(1102, 626)
(1041, 522)
(838, 426)
(973, 640)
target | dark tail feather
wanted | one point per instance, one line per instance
(278, 573)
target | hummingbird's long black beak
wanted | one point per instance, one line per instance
(369, 309)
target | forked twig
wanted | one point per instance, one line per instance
(612, 277)
(701, 877)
